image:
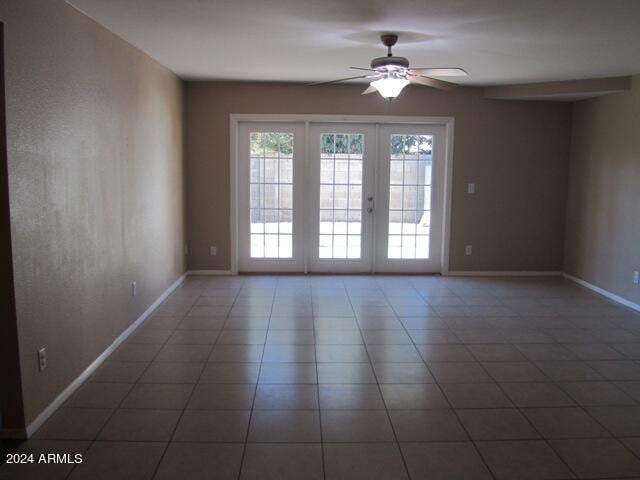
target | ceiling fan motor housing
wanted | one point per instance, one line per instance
(389, 63)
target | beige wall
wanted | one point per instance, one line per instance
(603, 212)
(516, 152)
(96, 187)
(11, 407)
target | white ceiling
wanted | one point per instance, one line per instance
(496, 41)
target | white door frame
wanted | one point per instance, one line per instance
(236, 118)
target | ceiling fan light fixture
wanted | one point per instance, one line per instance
(390, 87)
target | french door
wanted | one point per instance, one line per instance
(340, 197)
(410, 198)
(271, 197)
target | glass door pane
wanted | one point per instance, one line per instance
(410, 166)
(271, 194)
(340, 195)
(271, 226)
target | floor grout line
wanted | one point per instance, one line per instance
(255, 392)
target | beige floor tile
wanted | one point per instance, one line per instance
(230, 373)
(98, 395)
(213, 396)
(427, 425)
(172, 372)
(476, 395)
(212, 426)
(282, 462)
(620, 421)
(184, 353)
(236, 354)
(536, 395)
(140, 425)
(74, 424)
(458, 372)
(158, 395)
(200, 461)
(135, 352)
(413, 397)
(289, 354)
(523, 459)
(356, 426)
(341, 354)
(286, 397)
(119, 372)
(569, 422)
(596, 393)
(445, 353)
(345, 373)
(496, 424)
(374, 461)
(284, 373)
(289, 426)
(350, 397)
(193, 337)
(444, 461)
(514, 372)
(597, 458)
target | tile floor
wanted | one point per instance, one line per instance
(361, 377)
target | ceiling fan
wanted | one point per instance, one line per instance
(389, 75)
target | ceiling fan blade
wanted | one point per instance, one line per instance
(440, 72)
(339, 80)
(432, 82)
(369, 89)
(360, 68)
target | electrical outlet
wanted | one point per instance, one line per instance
(42, 359)
(134, 289)
(468, 250)
(636, 277)
(471, 188)
(213, 251)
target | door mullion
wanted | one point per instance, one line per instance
(376, 198)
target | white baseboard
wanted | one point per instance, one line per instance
(603, 292)
(209, 272)
(67, 392)
(515, 273)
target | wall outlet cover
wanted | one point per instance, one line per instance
(42, 359)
